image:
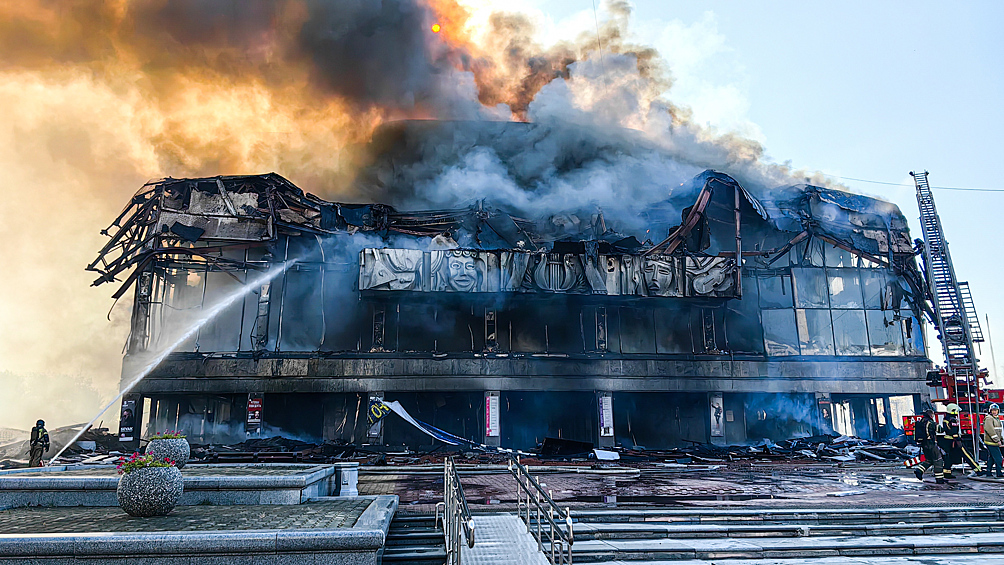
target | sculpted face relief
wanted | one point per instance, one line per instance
(463, 273)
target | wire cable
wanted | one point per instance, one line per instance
(938, 187)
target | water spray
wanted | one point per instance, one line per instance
(159, 358)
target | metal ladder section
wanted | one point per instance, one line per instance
(970, 308)
(953, 306)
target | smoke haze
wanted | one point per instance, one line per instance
(102, 95)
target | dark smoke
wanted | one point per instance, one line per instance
(378, 53)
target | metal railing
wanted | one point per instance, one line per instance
(541, 515)
(457, 520)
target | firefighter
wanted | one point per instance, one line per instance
(950, 442)
(992, 437)
(926, 433)
(38, 444)
(948, 435)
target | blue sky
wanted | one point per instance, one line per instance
(870, 90)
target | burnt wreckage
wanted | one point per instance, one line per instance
(505, 330)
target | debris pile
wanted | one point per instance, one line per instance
(95, 445)
(824, 447)
(273, 450)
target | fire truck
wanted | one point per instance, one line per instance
(962, 381)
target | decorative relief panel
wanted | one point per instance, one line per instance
(391, 269)
(470, 271)
(710, 276)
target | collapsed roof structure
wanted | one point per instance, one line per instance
(202, 217)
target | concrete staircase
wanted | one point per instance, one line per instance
(414, 539)
(930, 535)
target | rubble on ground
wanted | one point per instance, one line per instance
(819, 448)
(96, 445)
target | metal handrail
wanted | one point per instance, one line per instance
(457, 520)
(545, 510)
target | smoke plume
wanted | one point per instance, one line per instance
(102, 95)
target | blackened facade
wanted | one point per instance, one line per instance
(817, 326)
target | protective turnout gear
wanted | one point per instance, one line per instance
(38, 444)
(948, 441)
(951, 442)
(926, 433)
(993, 436)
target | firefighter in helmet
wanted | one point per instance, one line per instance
(950, 442)
(993, 436)
(926, 434)
(950, 439)
(38, 444)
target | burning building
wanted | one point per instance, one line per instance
(706, 308)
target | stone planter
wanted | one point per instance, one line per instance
(176, 450)
(150, 491)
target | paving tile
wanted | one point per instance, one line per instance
(340, 513)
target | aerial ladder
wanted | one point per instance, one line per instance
(955, 319)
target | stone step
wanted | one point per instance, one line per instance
(415, 555)
(424, 536)
(656, 530)
(593, 551)
(792, 516)
(419, 520)
(941, 559)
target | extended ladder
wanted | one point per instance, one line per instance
(955, 314)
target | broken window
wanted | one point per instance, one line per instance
(672, 329)
(845, 288)
(344, 315)
(526, 327)
(884, 333)
(779, 334)
(742, 321)
(874, 287)
(221, 333)
(459, 329)
(867, 264)
(850, 335)
(417, 327)
(183, 291)
(811, 290)
(807, 254)
(815, 332)
(836, 257)
(913, 334)
(775, 291)
(637, 330)
(302, 324)
(562, 335)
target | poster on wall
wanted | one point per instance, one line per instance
(606, 415)
(717, 415)
(127, 421)
(492, 414)
(256, 405)
(825, 415)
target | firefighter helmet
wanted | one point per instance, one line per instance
(994, 407)
(953, 408)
